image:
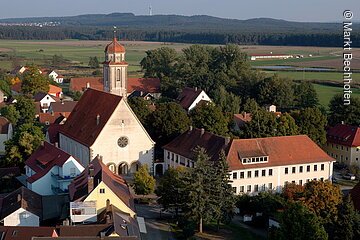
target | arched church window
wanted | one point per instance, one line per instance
(118, 75)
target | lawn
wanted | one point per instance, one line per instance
(325, 93)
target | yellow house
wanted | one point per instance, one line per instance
(98, 184)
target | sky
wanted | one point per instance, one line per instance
(294, 10)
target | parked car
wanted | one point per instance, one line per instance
(349, 176)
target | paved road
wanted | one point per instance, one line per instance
(157, 228)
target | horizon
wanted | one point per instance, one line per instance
(233, 9)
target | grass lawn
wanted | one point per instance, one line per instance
(325, 93)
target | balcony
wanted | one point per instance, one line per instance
(62, 178)
(58, 190)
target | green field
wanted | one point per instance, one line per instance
(325, 93)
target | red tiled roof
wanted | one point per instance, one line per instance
(83, 230)
(115, 47)
(44, 159)
(21, 198)
(149, 85)
(4, 125)
(185, 144)
(50, 117)
(188, 96)
(281, 151)
(355, 196)
(64, 107)
(25, 233)
(53, 133)
(79, 84)
(241, 119)
(343, 134)
(54, 89)
(82, 123)
(78, 189)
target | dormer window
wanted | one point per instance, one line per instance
(251, 160)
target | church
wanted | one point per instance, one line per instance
(103, 124)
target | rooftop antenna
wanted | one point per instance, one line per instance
(150, 10)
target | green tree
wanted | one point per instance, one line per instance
(228, 102)
(33, 82)
(262, 124)
(168, 121)
(298, 223)
(140, 108)
(94, 62)
(170, 189)
(10, 113)
(349, 114)
(250, 106)
(210, 117)
(293, 192)
(57, 60)
(276, 90)
(286, 125)
(223, 194)
(305, 95)
(198, 184)
(27, 138)
(311, 122)
(144, 183)
(26, 108)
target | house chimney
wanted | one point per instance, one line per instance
(56, 144)
(108, 205)
(98, 119)
(66, 222)
(196, 89)
(191, 128)
(342, 122)
(19, 197)
(202, 131)
(87, 85)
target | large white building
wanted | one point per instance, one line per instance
(262, 164)
(6, 133)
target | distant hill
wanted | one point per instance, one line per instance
(179, 22)
(177, 28)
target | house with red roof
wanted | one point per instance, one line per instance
(180, 151)
(262, 164)
(50, 170)
(6, 133)
(97, 186)
(343, 144)
(26, 233)
(103, 123)
(43, 100)
(190, 97)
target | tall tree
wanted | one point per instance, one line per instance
(305, 95)
(27, 138)
(26, 108)
(94, 62)
(286, 125)
(10, 113)
(168, 121)
(33, 81)
(276, 90)
(298, 223)
(141, 108)
(198, 185)
(311, 122)
(210, 117)
(349, 114)
(228, 102)
(144, 183)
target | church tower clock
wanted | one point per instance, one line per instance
(115, 69)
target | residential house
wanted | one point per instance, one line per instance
(98, 186)
(262, 164)
(21, 207)
(57, 112)
(144, 86)
(343, 144)
(180, 151)
(190, 97)
(52, 134)
(103, 123)
(55, 91)
(26, 233)
(56, 77)
(50, 170)
(6, 133)
(44, 100)
(240, 120)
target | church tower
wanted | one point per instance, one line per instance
(115, 69)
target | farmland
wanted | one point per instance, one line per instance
(77, 54)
